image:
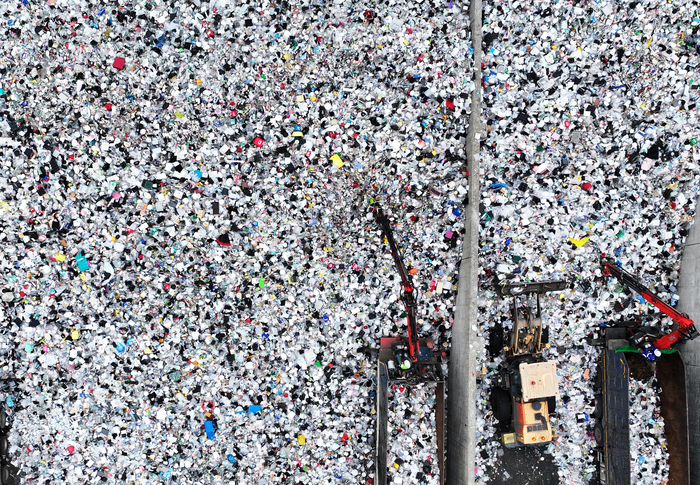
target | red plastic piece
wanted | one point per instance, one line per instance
(119, 63)
(258, 142)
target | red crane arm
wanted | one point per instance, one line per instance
(686, 330)
(409, 299)
(630, 281)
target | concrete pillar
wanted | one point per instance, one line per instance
(461, 385)
(689, 302)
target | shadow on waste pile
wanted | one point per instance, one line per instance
(526, 465)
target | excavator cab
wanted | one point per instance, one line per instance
(395, 356)
(534, 391)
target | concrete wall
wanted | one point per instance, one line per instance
(461, 385)
(689, 302)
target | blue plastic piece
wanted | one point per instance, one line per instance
(255, 408)
(209, 429)
(82, 261)
(120, 348)
(231, 459)
(648, 353)
(9, 401)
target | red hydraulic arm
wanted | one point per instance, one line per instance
(686, 327)
(409, 299)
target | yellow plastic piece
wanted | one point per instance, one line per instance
(75, 334)
(579, 242)
(508, 438)
(337, 161)
(302, 439)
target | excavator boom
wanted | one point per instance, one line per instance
(686, 327)
(409, 299)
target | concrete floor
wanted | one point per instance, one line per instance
(689, 302)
